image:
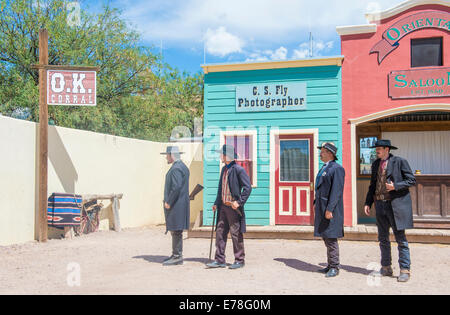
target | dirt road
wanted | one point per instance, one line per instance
(130, 263)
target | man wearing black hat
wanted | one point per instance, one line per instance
(233, 191)
(329, 206)
(176, 203)
(389, 188)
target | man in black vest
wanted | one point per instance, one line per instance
(176, 203)
(389, 186)
(233, 191)
(329, 206)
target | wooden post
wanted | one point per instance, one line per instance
(115, 208)
(43, 136)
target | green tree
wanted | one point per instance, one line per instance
(103, 40)
(137, 95)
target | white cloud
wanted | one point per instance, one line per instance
(270, 21)
(248, 27)
(279, 54)
(301, 53)
(256, 56)
(219, 42)
(266, 55)
(319, 49)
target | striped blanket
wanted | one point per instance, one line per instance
(64, 210)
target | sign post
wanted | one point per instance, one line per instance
(43, 135)
(58, 85)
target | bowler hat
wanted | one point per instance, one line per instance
(172, 150)
(384, 143)
(228, 150)
(330, 147)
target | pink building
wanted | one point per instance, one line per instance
(396, 85)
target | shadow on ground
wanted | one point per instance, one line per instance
(158, 259)
(307, 267)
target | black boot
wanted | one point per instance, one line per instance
(168, 258)
(333, 272)
(386, 271)
(324, 270)
(175, 260)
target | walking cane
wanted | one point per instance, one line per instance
(212, 233)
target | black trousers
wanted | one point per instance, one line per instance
(332, 252)
(177, 243)
(229, 223)
(385, 221)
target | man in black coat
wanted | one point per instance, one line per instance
(329, 206)
(176, 203)
(389, 188)
(233, 191)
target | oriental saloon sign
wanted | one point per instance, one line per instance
(412, 23)
(270, 97)
(419, 83)
(71, 87)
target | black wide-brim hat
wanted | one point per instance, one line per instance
(384, 143)
(228, 150)
(330, 147)
(172, 150)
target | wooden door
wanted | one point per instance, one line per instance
(294, 176)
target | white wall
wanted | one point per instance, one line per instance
(17, 181)
(85, 162)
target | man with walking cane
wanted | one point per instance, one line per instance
(233, 191)
(176, 203)
(389, 188)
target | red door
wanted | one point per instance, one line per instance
(294, 176)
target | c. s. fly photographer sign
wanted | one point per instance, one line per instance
(271, 97)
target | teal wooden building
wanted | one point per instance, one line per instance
(275, 114)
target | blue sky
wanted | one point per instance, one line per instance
(242, 30)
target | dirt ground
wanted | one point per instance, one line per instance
(130, 263)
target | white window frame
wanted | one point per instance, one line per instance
(254, 134)
(279, 132)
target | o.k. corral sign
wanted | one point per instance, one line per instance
(271, 97)
(71, 87)
(419, 83)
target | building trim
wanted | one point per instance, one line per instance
(276, 132)
(376, 17)
(354, 175)
(313, 62)
(402, 7)
(400, 110)
(356, 29)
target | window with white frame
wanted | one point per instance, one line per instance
(244, 143)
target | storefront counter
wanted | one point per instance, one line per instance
(431, 202)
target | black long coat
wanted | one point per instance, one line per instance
(329, 196)
(240, 188)
(176, 194)
(398, 172)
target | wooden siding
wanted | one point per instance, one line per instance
(323, 112)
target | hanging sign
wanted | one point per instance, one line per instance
(71, 87)
(392, 36)
(419, 83)
(270, 97)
